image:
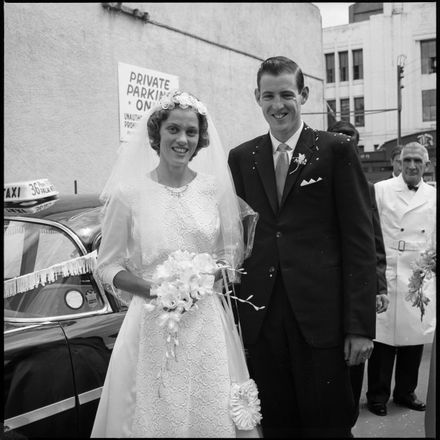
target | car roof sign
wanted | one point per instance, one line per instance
(28, 197)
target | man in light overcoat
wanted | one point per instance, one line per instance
(407, 210)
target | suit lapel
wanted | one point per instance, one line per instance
(264, 163)
(306, 146)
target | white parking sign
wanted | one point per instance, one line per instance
(139, 90)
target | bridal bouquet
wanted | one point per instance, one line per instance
(178, 283)
(423, 268)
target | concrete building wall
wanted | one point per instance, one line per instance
(61, 85)
(398, 31)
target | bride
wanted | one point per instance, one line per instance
(171, 190)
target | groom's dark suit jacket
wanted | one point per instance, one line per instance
(321, 238)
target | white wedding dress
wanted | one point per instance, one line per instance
(194, 398)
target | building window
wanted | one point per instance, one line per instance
(331, 112)
(358, 64)
(345, 109)
(428, 56)
(330, 67)
(359, 115)
(343, 66)
(429, 105)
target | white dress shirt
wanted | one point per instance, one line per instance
(291, 142)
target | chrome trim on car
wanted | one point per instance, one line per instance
(88, 396)
(96, 241)
(13, 330)
(58, 225)
(51, 410)
(50, 319)
(40, 413)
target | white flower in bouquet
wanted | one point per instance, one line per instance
(168, 294)
(201, 286)
(204, 263)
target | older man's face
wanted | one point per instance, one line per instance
(414, 164)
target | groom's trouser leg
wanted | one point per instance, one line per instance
(270, 364)
(356, 379)
(305, 391)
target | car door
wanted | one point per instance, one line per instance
(38, 387)
(91, 340)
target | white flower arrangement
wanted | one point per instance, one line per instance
(245, 405)
(182, 280)
(424, 267)
(182, 100)
(299, 160)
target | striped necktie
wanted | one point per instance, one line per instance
(281, 169)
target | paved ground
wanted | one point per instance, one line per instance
(400, 421)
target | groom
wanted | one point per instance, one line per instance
(313, 263)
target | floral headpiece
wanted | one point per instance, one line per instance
(182, 100)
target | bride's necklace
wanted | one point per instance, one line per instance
(174, 191)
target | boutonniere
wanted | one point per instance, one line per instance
(299, 160)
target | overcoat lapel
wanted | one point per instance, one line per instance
(306, 145)
(419, 199)
(264, 164)
(400, 189)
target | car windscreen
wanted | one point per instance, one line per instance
(45, 273)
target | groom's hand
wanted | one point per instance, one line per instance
(357, 349)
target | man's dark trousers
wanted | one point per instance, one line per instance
(316, 398)
(380, 371)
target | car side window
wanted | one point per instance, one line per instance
(45, 274)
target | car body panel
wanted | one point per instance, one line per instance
(35, 357)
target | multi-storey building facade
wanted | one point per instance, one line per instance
(361, 63)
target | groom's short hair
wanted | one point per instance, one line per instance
(278, 65)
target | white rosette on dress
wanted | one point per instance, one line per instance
(245, 405)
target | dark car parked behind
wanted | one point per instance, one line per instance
(59, 323)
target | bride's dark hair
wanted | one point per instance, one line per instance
(158, 117)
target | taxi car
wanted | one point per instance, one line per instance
(60, 324)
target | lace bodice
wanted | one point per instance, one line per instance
(184, 218)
